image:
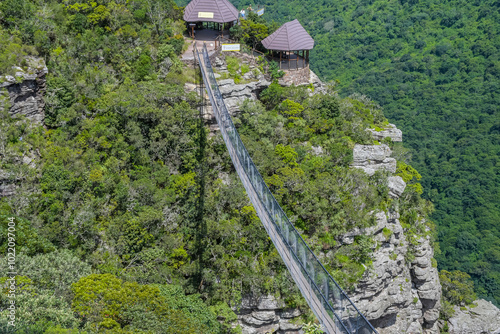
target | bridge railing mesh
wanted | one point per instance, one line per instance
(335, 303)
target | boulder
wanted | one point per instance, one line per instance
(396, 186)
(286, 326)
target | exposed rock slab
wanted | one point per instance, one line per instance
(390, 131)
(484, 318)
(22, 94)
(234, 94)
(25, 91)
(396, 186)
(372, 158)
(267, 314)
(396, 296)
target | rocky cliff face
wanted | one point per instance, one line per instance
(22, 95)
(399, 296)
(371, 158)
(396, 295)
(24, 91)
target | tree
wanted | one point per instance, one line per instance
(35, 305)
(458, 288)
(253, 32)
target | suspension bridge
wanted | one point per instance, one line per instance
(327, 300)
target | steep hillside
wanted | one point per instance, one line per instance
(122, 200)
(434, 67)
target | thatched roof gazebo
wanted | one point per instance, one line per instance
(291, 37)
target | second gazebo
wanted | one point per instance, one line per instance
(289, 40)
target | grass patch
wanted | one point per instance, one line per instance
(233, 65)
(245, 69)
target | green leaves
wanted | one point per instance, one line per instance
(410, 176)
(28, 238)
(287, 154)
(458, 288)
(107, 302)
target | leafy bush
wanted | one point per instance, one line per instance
(106, 302)
(12, 52)
(458, 288)
(200, 315)
(28, 239)
(54, 271)
(35, 306)
(233, 65)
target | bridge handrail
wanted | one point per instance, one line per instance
(348, 316)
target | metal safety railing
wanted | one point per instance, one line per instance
(328, 301)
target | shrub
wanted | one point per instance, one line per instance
(233, 65)
(107, 302)
(245, 69)
(192, 306)
(28, 241)
(143, 67)
(36, 306)
(55, 271)
(290, 108)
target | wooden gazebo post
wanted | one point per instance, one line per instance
(281, 52)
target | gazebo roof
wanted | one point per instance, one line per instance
(291, 36)
(220, 11)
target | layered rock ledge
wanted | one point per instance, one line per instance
(372, 158)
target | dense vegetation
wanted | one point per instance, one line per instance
(131, 218)
(434, 67)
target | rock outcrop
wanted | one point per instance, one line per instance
(22, 94)
(267, 314)
(398, 296)
(396, 186)
(390, 131)
(483, 318)
(234, 94)
(372, 158)
(25, 91)
(425, 279)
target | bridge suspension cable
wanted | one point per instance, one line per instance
(333, 308)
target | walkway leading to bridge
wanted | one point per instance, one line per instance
(328, 301)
